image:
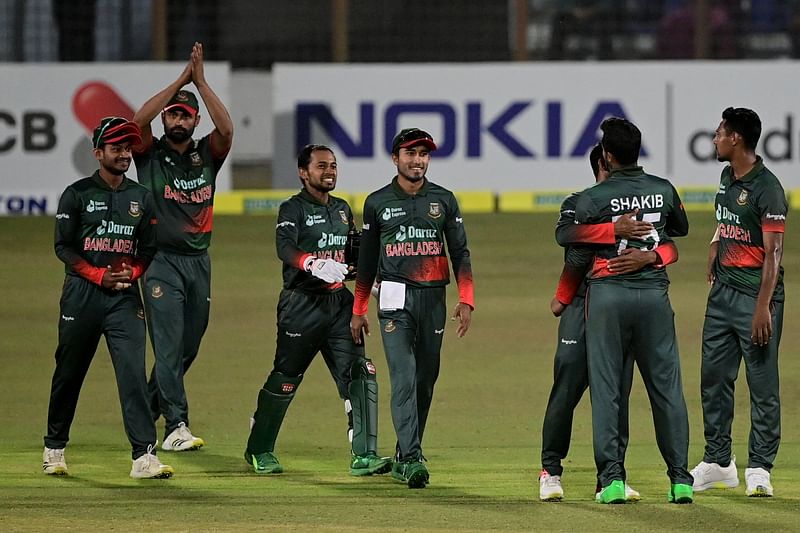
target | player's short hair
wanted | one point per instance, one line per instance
(304, 157)
(745, 122)
(594, 157)
(621, 138)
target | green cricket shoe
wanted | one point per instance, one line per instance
(366, 465)
(612, 493)
(680, 493)
(413, 473)
(263, 463)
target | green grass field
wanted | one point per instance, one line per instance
(483, 434)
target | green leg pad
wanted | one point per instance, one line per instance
(363, 391)
(273, 401)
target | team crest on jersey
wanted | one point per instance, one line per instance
(140, 314)
(157, 292)
(343, 216)
(434, 210)
(389, 327)
(742, 200)
(134, 210)
(196, 160)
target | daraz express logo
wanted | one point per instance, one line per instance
(108, 226)
(331, 239)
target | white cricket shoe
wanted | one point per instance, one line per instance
(713, 476)
(53, 462)
(550, 487)
(757, 482)
(181, 440)
(148, 466)
(631, 494)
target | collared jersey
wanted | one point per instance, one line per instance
(626, 190)
(307, 228)
(403, 240)
(744, 208)
(97, 226)
(183, 187)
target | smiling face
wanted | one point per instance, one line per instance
(321, 172)
(114, 158)
(412, 162)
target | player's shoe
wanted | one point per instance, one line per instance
(614, 492)
(181, 440)
(53, 462)
(713, 476)
(148, 466)
(366, 465)
(550, 489)
(413, 473)
(631, 494)
(680, 493)
(263, 463)
(758, 483)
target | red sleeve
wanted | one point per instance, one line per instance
(568, 283)
(572, 234)
(219, 150)
(667, 254)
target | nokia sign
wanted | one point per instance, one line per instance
(471, 120)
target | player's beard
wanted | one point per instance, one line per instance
(117, 168)
(412, 175)
(179, 135)
(322, 186)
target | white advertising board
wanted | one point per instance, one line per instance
(47, 114)
(529, 126)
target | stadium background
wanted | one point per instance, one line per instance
(483, 437)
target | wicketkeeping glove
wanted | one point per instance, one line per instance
(328, 270)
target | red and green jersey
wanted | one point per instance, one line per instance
(403, 240)
(97, 226)
(628, 189)
(183, 186)
(746, 208)
(307, 228)
(580, 241)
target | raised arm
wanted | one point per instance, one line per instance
(152, 107)
(222, 136)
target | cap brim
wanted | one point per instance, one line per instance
(184, 107)
(427, 142)
(127, 132)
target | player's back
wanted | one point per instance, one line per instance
(632, 190)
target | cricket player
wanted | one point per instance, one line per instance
(181, 172)
(105, 235)
(406, 226)
(744, 315)
(570, 372)
(630, 315)
(312, 233)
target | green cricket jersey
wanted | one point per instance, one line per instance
(579, 241)
(183, 186)
(403, 240)
(745, 208)
(307, 228)
(97, 226)
(625, 190)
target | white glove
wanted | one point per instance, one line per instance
(328, 270)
